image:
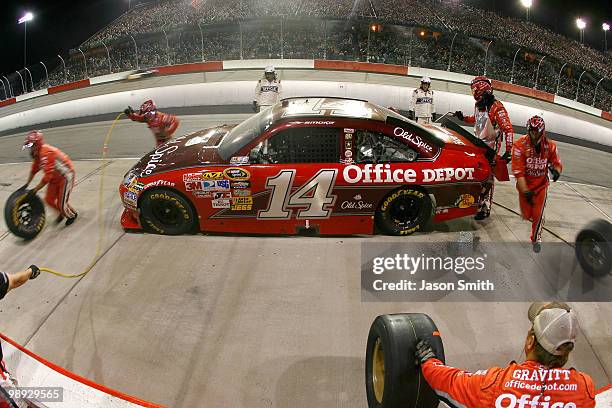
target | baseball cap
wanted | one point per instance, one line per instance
(555, 327)
(269, 69)
(426, 80)
(537, 307)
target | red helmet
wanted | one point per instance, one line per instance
(480, 85)
(147, 107)
(33, 141)
(536, 123)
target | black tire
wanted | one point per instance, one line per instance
(404, 211)
(393, 380)
(594, 248)
(167, 212)
(24, 218)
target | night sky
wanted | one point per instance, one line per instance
(61, 25)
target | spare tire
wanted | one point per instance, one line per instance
(594, 248)
(24, 218)
(393, 380)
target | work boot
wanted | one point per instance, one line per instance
(482, 214)
(537, 247)
(70, 220)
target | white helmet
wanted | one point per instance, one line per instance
(269, 70)
(425, 80)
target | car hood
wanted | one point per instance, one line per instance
(190, 150)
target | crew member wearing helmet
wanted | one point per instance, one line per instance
(533, 155)
(422, 108)
(540, 381)
(268, 90)
(163, 125)
(58, 174)
(491, 125)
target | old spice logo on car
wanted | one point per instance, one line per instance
(383, 173)
(415, 140)
(156, 159)
(356, 205)
(237, 174)
(529, 401)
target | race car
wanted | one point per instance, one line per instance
(309, 165)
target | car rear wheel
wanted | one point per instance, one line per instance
(393, 380)
(24, 218)
(404, 211)
(167, 212)
(594, 248)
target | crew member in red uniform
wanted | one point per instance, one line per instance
(539, 382)
(58, 174)
(491, 125)
(162, 125)
(533, 156)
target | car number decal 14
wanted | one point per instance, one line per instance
(314, 198)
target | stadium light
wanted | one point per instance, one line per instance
(606, 28)
(527, 4)
(581, 24)
(26, 17)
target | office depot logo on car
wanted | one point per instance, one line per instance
(383, 173)
(415, 140)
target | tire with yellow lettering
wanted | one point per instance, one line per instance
(24, 217)
(167, 212)
(404, 211)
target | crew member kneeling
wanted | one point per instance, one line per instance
(59, 175)
(540, 381)
(162, 125)
(533, 155)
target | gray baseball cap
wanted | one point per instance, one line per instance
(555, 327)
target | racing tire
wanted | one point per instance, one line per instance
(166, 212)
(392, 377)
(404, 211)
(24, 218)
(594, 248)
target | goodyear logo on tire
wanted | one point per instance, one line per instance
(414, 193)
(237, 174)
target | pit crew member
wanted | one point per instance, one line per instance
(491, 125)
(163, 125)
(10, 281)
(539, 382)
(58, 174)
(422, 108)
(268, 90)
(533, 155)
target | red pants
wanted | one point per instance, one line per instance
(534, 212)
(58, 193)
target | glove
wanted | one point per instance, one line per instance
(555, 173)
(507, 157)
(423, 352)
(529, 196)
(411, 115)
(254, 106)
(128, 110)
(35, 271)
(458, 115)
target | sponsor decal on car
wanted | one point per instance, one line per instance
(239, 160)
(130, 178)
(212, 175)
(348, 136)
(159, 183)
(357, 204)
(241, 184)
(241, 193)
(465, 201)
(319, 122)
(130, 199)
(241, 207)
(198, 140)
(348, 130)
(136, 187)
(348, 153)
(242, 200)
(412, 138)
(207, 185)
(380, 173)
(347, 161)
(156, 159)
(192, 176)
(221, 203)
(237, 174)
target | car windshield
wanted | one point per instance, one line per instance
(245, 133)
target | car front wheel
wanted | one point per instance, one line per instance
(166, 212)
(404, 211)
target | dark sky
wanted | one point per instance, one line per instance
(61, 25)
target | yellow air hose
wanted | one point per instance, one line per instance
(96, 257)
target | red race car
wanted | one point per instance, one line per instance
(323, 165)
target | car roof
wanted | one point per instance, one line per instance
(330, 107)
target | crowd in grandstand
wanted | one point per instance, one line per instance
(424, 33)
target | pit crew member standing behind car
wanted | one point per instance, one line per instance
(59, 175)
(540, 381)
(422, 108)
(533, 155)
(163, 125)
(491, 125)
(268, 90)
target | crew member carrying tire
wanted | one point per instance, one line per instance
(268, 90)
(540, 381)
(533, 155)
(422, 108)
(491, 125)
(162, 125)
(58, 175)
